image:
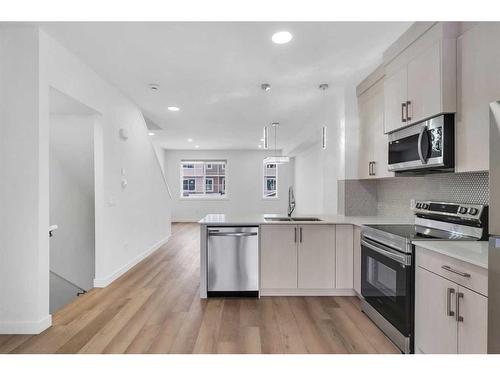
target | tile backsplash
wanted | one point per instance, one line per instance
(391, 196)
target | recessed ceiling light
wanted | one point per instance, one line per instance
(282, 37)
(265, 86)
(154, 86)
(190, 140)
(151, 133)
(173, 109)
(196, 146)
(262, 139)
(259, 146)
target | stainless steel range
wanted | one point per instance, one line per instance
(388, 261)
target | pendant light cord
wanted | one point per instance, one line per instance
(275, 140)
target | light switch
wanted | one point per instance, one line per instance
(111, 201)
(123, 134)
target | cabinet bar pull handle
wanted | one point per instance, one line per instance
(295, 234)
(449, 269)
(373, 168)
(449, 292)
(300, 235)
(403, 109)
(408, 117)
(457, 307)
(369, 168)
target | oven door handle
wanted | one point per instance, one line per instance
(386, 251)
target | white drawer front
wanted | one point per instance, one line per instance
(460, 272)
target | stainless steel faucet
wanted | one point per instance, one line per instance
(291, 201)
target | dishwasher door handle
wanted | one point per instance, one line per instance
(232, 234)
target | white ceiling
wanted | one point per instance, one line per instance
(213, 72)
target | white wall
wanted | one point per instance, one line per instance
(24, 220)
(135, 219)
(132, 222)
(317, 170)
(72, 199)
(244, 184)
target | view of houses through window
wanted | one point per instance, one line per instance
(270, 180)
(203, 179)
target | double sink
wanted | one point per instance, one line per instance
(290, 219)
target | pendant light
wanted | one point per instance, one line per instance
(324, 87)
(276, 159)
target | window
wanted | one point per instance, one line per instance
(203, 179)
(188, 184)
(209, 185)
(270, 181)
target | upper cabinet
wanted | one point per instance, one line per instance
(372, 156)
(395, 94)
(479, 84)
(420, 77)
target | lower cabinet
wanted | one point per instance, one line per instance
(357, 259)
(316, 261)
(306, 257)
(449, 318)
(278, 256)
(344, 267)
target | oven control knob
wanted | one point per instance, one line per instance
(425, 206)
(419, 205)
(463, 210)
(472, 211)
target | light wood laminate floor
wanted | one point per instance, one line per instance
(155, 308)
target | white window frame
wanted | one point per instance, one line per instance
(188, 179)
(211, 179)
(264, 181)
(204, 195)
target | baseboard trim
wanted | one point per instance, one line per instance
(104, 282)
(26, 327)
(307, 292)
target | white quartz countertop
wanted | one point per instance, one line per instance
(225, 219)
(473, 252)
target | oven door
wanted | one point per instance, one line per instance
(387, 283)
(428, 145)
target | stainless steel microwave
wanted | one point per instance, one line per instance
(428, 146)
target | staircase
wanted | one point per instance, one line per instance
(62, 292)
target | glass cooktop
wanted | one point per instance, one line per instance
(417, 232)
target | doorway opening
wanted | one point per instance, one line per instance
(72, 198)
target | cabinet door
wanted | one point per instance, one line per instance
(377, 138)
(316, 256)
(479, 85)
(473, 330)
(357, 259)
(435, 330)
(278, 256)
(344, 257)
(364, 149)
(395, 94)
(424, 84)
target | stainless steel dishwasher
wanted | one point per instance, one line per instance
(233, 261)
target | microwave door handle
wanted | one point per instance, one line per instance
(419, 146)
